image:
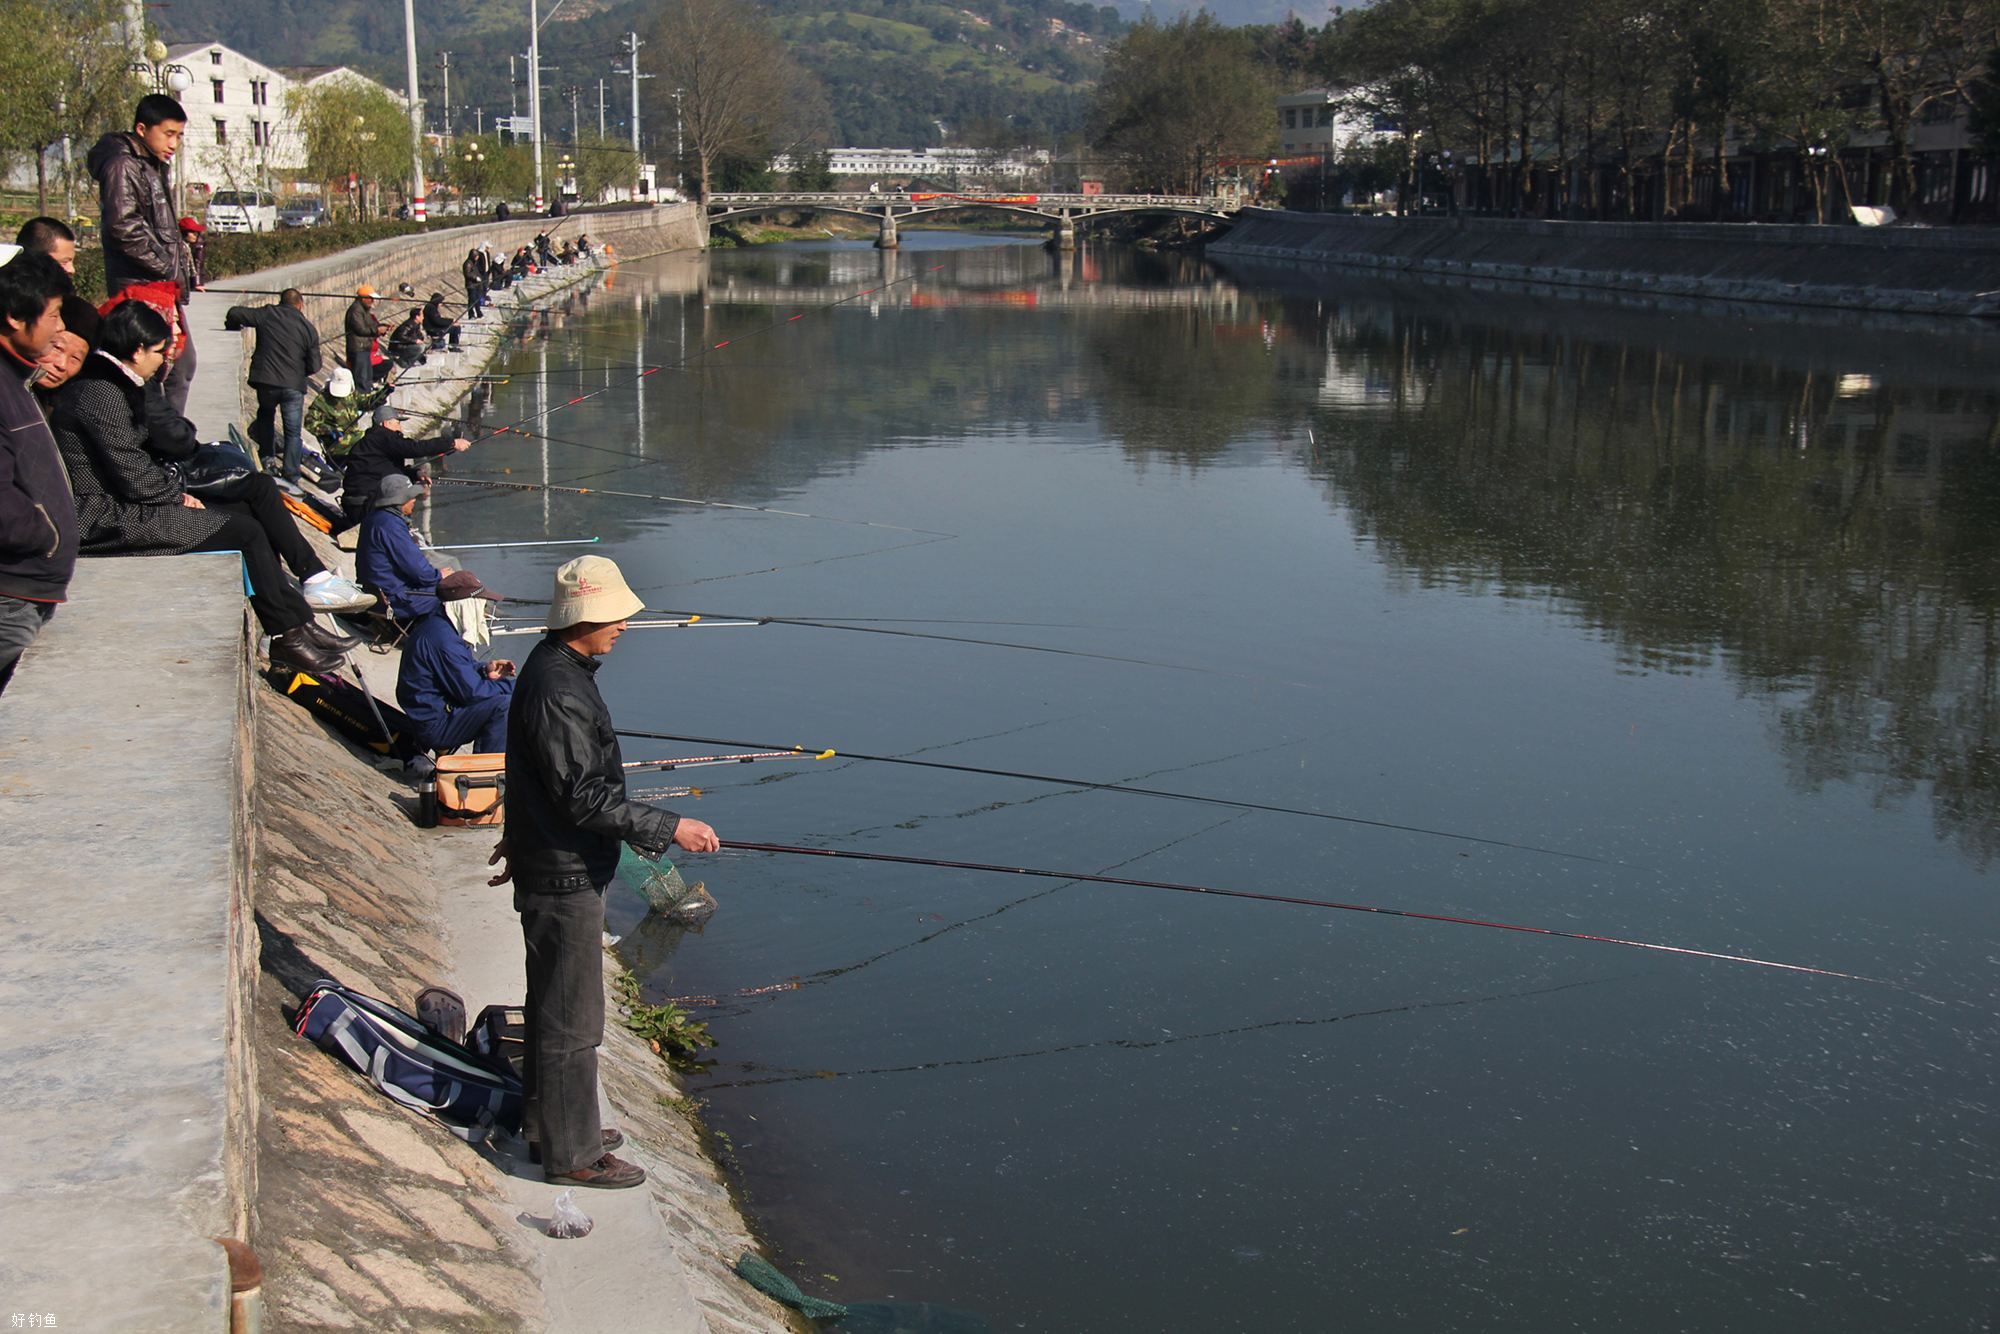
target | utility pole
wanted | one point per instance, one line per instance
(444, 64)
(417, 208)
(535, 92)
(677, 132)
(575, 126)
(513, 82)
(631, 49)
(600, 111)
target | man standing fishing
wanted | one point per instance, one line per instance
(567, 814)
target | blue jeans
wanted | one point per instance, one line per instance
(484, 724)
(288, 406)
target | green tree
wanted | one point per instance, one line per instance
(352, 129)
(812, 171)
(741, 94)
(62, 63)
(1179, 99)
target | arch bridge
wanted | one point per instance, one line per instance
(1066, 211)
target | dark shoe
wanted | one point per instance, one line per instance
(607, 1173)
(613, 1139)
(331, 640)
(295, 648)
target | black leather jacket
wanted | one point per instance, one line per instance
(142, 238)
(567, 811)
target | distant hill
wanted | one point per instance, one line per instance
(895, 70)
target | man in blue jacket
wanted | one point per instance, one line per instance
(452, 697)
(387, 559)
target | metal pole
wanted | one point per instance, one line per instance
(513, 82)
(632, 45)
(416, 113)
(600, 111)
(444, 64)
(535, 94)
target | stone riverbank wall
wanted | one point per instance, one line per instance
(1910, 271)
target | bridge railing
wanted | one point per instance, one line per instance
(997, 198)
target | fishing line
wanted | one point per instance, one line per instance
(825, 975)
(793, 1075)
(1264, 897)
(1131, 790)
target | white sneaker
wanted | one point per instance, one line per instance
(329, 592)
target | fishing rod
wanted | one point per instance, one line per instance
(1299, 901)
(524, 629)
(673, 500)
(1131, 790)
(490, 546)
(701, 761)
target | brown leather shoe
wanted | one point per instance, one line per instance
(613, 1139)
(607, 1173)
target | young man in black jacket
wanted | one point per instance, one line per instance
(37, 512)
(567, 815)
(382, 451)
(142, 237)
(286, 357)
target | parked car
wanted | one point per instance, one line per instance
(302, 213)
(242, 211)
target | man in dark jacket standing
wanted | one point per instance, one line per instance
(37, 512)
(286, 357)
(567, 814)
(362, 329)
(142, 236)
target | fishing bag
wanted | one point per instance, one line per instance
(344, 708)
(500, 1036)
(424, 1071)
(468, 790)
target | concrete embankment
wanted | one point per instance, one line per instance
(1913, 271)
(187, 853)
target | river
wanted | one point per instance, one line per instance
(1676, 626)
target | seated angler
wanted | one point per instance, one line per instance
(408, 340)
(129, 503)
(387, 559)
(384, 450)
(438, 326)
(452, 698)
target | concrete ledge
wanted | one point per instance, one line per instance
(1915, 271)
(122, 777)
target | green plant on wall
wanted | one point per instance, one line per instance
(666, 1028)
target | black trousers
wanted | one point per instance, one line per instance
(564, 934)
(258, 525)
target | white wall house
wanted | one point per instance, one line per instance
(893, 163)
(239, 134)
(1318, 120)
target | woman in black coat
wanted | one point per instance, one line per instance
(130, 503)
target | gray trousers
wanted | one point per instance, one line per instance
(20, 621)
(564, 934)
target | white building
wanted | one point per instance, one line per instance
(1319, 120)
(239, 136)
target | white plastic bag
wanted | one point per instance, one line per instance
(569, 1221)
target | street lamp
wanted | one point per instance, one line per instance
(474, 158)
(565, 175)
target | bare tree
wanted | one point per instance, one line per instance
(741, 94)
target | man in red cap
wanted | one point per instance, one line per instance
(196, 237)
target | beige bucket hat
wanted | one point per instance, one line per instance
(590, 588)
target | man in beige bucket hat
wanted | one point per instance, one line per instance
(567, 814)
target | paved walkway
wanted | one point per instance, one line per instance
(121, 784)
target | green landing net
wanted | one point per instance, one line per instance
(658, 881)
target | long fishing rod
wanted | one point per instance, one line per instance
(1299, 901)
(1131, 790)
(675, 500)
(491, 546)
(691, 622)
(702, 761)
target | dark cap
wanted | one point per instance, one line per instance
(464, 584)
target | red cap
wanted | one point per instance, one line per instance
(192, 225)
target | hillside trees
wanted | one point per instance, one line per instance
(1179, 99)
(742, 95)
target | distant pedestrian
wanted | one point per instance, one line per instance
(196, 236)
(568, 815)
(37, 513)
(287, 356)
(142, 237)
(473, 272)
(361, 329)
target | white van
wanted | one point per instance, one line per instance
(242, 211)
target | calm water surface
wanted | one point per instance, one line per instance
(1705, 599)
